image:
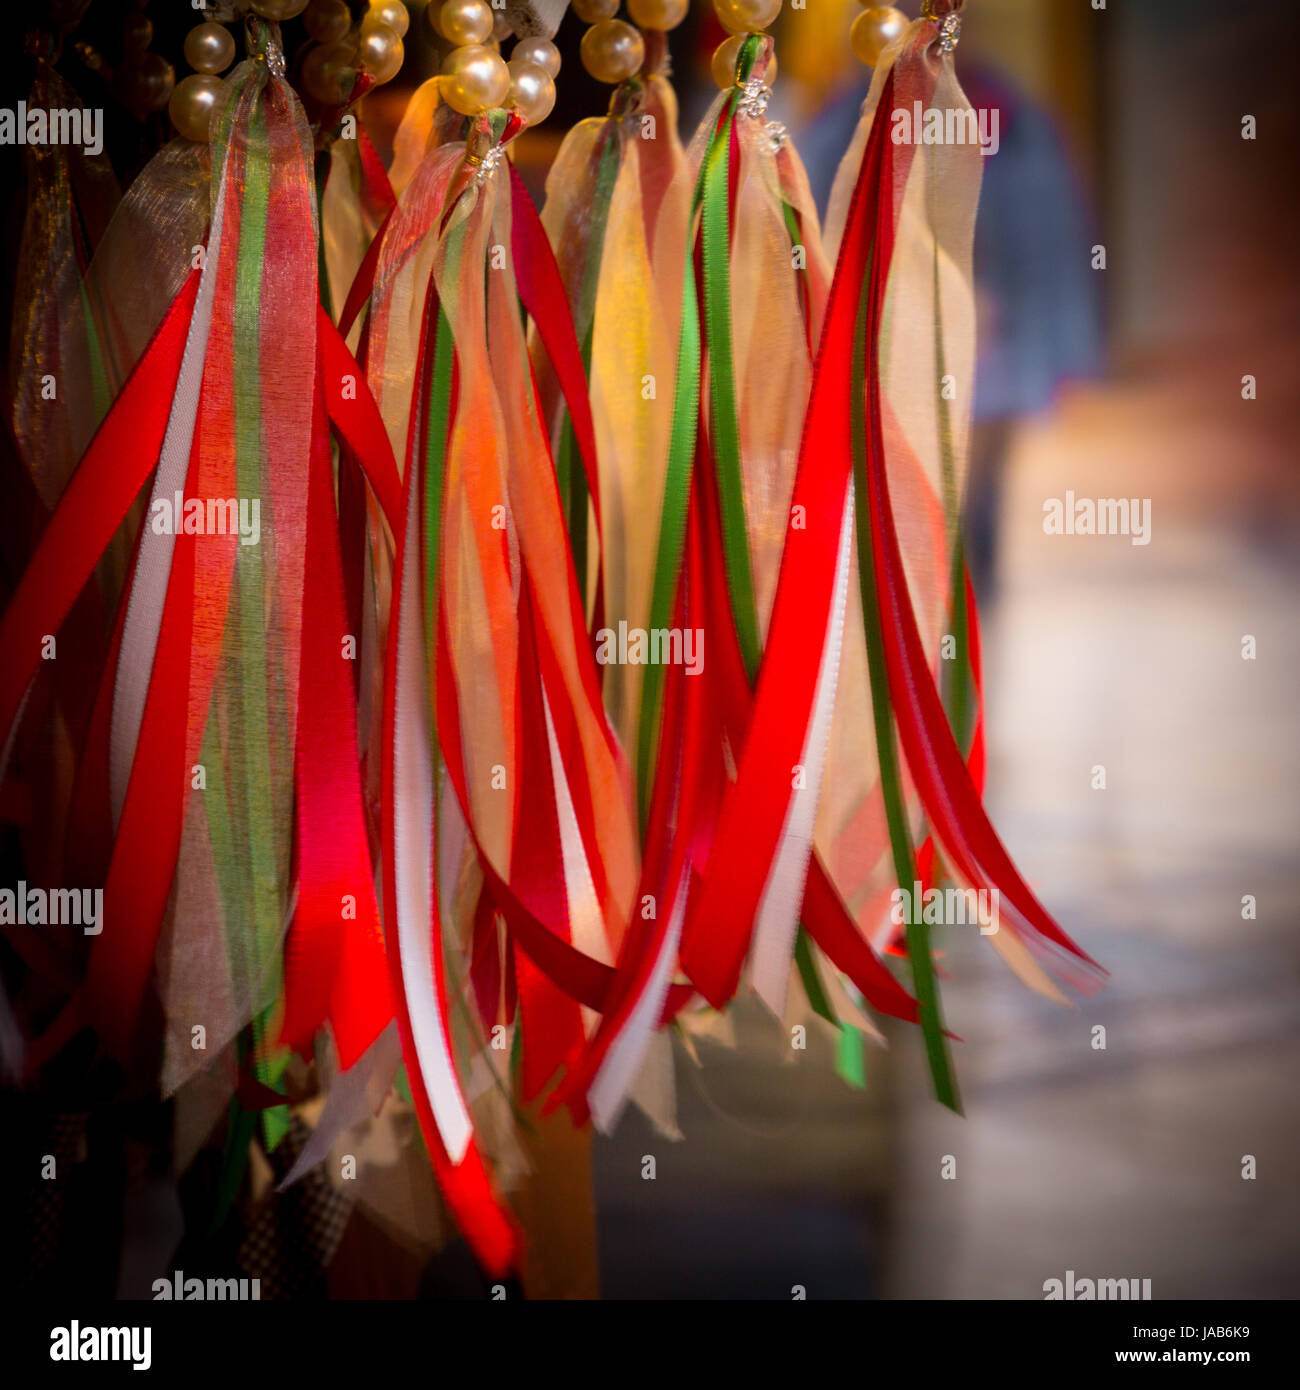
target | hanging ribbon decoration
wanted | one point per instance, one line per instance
(843, 429)
(491, 676)
(704, 557)
(209, 716)
(237, 754)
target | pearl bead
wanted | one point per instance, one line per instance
(722, 65)
(327, 20)
(657, 14)
(540, 51)
(874, 30)
(746, 16)
(278, 10)
(137, 33)
(390, 12)
(148, 84)
(725, 56)
(612, 51)
(192, 105)
(593, 11)
(532, 91)
(329, 72)
(465, 22)
(209, 48)
(380, 52)
(474, 78)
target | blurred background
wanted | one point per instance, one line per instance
(1121, 127)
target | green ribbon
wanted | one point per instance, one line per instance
(241, 1124)
(715, 232)
(958, 674)
(917, 932)
(805, 959)
(572, 482)
(672, 519)
(709, 201)
(238, 796)
(850, 1057)
(253, 658)
(436, 424)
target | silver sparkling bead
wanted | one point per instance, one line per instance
(754, 98)
(487, 165)
(776, 135)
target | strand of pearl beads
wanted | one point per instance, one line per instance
(740, 18)
(474, 75)
(612, 50)
(209, 50)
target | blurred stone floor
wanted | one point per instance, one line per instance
(1119, 1163)
(1128, 1162)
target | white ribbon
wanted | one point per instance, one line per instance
(413, 813)
(154, 564)
(778, 911)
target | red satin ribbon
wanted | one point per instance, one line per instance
(975, 759)
(334, 963)
(378, 190)
(364, 280)
(114, 468)
(551, 1019)
(542, 291)
(357, 420)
